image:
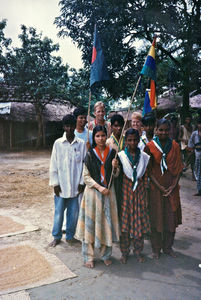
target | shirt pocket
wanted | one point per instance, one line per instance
(78, 156)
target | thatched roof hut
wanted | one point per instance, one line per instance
(25, 112)
(18, 123)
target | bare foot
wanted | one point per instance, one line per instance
(123, 259)
(155, 255)
(54, 243)
(107, 262)
(141, 258)
(89, 264)
(171, 253)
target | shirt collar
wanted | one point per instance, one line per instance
(64, 139)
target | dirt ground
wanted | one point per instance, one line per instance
(24, 192)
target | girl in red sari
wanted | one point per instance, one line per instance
(165, 168)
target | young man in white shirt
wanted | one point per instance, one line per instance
(66, 177)
(81, 131)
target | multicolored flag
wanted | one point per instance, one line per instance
(147, 107)
(147, 103)
(149, 70)
(99, 70)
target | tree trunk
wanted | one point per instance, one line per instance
(39, 135)
(40, 142)
(43, 132)
(186, 91)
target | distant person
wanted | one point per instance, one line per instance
(99, 112)
(134, 217)
(174, 128)
(148, 123)
(66, 168)
(165, 167)
(194, 144)
(98, 225)
(117, 123)
(185, 133)
(81, 131)
(136, 122)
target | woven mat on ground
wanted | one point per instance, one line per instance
(26, 265)
(12, 225)
(16, 296)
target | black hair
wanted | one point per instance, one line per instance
(148, 118)
(162, 122)
(95, 130)
(79, 111)
(188, 116)
(132, 131)
(117, 118)
(69, 120)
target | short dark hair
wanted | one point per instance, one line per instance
(69, 120)
(148, 118)
(162, 122)
(79, 111)
(95, 130)
(188, 116)
(132, 131)
(117, 118)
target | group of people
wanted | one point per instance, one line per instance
(116, 187)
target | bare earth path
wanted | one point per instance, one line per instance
(24, 192)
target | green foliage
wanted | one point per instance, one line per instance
(78, 90)
(176, 23)
(4, 45)
(36, 74)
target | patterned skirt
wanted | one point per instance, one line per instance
(98, 218)
(134, 211)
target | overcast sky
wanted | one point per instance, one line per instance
(39, 14)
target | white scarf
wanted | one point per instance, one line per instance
(163, 164)
(127, 168)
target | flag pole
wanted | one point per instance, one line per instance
(145, 71)
(122, 132)
(88, 114)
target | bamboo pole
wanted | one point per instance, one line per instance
(88, 114)
(131, 102)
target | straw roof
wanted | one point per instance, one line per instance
(195, 101)
(25, 112)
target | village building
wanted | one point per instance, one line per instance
(19, 126)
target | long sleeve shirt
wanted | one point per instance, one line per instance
(66, 165)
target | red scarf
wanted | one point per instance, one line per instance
(103, 159)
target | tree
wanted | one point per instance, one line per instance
(35, 74)
(4, 45)
(176, 23)
(78, 90)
